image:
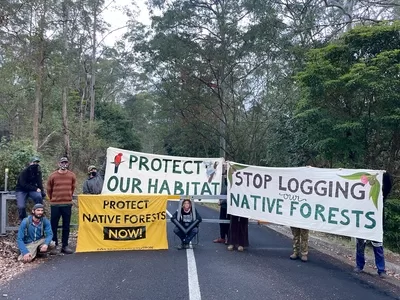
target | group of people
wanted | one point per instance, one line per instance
(37, 235)
(235, 233)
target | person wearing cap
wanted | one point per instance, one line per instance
(94, 183)
(29, 184)
(34, 234)
(60, 189)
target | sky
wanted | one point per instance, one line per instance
(116, 18)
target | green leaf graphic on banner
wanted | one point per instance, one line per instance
(374, 193)
(232, 169)
(355, 175)
(367, 178)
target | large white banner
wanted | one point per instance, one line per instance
(130, 172)
(338, 201)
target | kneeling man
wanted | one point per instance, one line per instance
(34, 234)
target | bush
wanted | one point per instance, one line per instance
(392, 225)
(16, 155)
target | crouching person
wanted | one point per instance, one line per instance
(187, 222)
(34, 234)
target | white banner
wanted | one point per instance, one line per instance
(338, 201)
(130, 172)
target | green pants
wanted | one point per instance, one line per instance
(300, 241)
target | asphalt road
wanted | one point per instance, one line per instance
(264, 271)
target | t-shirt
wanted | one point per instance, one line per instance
(187, 218)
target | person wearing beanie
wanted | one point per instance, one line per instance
(34, 234)
(60, 188)
(94, 183)
(30, 185)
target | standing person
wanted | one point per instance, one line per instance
(29, 184)
(377, 246)
(94, 183)
(60, 188)
(238, 233)
(34, 234)
(300, 244)
(223, 213)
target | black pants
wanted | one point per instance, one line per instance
(65, 212)
(223, 227)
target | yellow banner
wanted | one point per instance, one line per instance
(122, 222)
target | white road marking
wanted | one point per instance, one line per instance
(169, 214)
(193, 280)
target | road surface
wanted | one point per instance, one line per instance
(207, 272)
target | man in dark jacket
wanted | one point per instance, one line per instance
(94, 184)
(377, 246)
(29, 184)
(187, 221)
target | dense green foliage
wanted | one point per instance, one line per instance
(264, 82)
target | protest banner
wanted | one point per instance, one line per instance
(338, 201)
(122, 222)
(130, 172)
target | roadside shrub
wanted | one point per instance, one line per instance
(392, 225)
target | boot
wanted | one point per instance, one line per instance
(304, 258)
(67, 250)
(294, 256)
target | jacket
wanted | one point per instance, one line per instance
(181, 219)
(30, 179)
(93, 185)
(29, 233)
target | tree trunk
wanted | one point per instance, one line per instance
(39, 78)
(67, 146)
(93, 75)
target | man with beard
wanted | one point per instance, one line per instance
(60, 188)
(29, 184)
(34, 234)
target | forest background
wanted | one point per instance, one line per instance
(277, 83)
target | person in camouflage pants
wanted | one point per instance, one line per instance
(300, 244)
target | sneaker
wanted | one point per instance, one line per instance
(219, 240)
(357, 270)
(304, 258)
(230, 247)
(240, 248)
(382, 275)
(294, 256)
(180, 247)
(67, 250)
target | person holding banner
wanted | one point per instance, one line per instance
(223, 214)
(300, 244)
(187, 221)
(377, 246)
(238, 233)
